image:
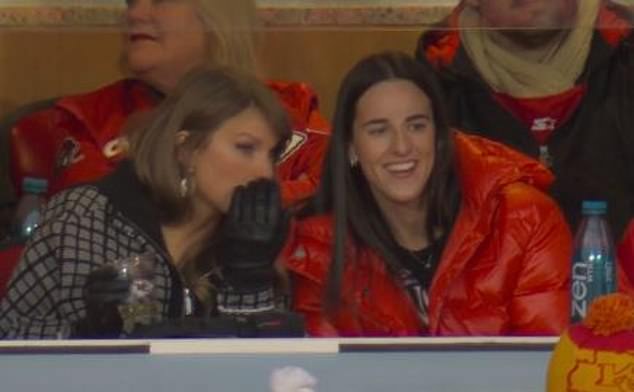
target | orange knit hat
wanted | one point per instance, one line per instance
(598, 354)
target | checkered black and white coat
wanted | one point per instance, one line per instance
(81, 230)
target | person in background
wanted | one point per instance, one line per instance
(553, 79)
(79, 139)
(417, 229)
(198, 194)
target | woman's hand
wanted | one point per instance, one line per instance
(252, 235)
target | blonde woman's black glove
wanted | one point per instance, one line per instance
(252, 235)
(104, 291)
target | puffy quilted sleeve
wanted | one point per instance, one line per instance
(307, 260)
(540, 303)
(307, 265)
(625, 267)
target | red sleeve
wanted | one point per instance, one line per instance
(308, 280)
(300, 168)
(625, 261)
(540, 302)
(300, 165)
(306, 259)
(307, 301)
(9, 257)
(54, 145)
(34, 145)
(77, 140)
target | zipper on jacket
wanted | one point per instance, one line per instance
(544, 156)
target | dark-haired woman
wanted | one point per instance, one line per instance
(421, 230)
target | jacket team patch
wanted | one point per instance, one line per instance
(297, 140)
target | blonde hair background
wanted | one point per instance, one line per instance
(230, 28)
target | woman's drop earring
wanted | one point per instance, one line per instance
(186, 183)
(353, 159)
(184, 187)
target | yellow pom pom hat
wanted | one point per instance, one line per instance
(597, 355)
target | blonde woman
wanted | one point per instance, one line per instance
(79, 138)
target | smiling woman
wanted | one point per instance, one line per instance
(418, 229)
(393, 140)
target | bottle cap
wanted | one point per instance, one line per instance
(34, 185)
(594, 207)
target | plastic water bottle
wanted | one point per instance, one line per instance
(593, 268)
(28, 212)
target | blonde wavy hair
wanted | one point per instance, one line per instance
(230, 28)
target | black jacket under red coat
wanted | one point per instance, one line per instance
(593, 152)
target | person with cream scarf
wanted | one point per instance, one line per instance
(553, 79)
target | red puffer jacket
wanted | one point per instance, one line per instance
(625, 265)
(504, 270)
(78, 139)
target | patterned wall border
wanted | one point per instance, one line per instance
(354, 16)
(271, 17)
(68, 17)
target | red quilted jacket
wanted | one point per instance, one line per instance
(77, 140)
(504, 270)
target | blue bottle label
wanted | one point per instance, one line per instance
(593, 275)
(579, 289)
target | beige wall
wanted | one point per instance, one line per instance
(41, 64)
(323, 57)
(35, 65)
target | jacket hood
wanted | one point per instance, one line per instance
(299, 100)
(485, 167)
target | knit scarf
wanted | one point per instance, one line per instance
(529, 73)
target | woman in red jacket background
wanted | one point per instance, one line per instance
(79, 139)
(417, 229)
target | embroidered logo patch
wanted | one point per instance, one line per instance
(544, 124)
(69, 154)
(297, 140)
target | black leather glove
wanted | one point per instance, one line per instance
(104, 291)
(252, 235)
